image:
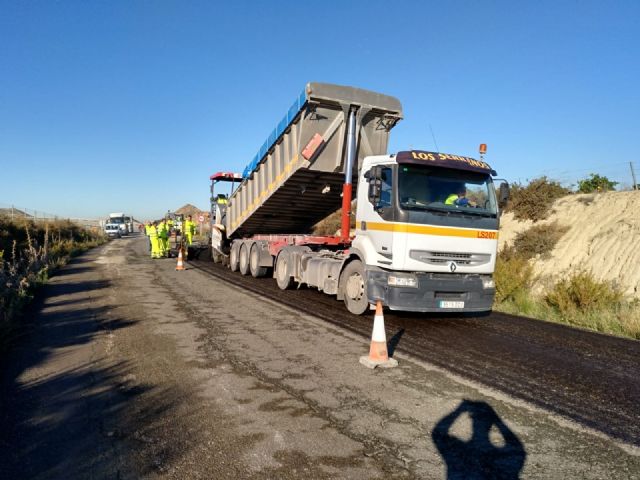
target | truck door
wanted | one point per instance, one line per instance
(376, 215)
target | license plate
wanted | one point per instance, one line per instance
(451, 304)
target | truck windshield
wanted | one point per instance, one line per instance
(446, 190)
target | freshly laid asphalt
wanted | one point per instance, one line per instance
(131, 369)
(585, 376)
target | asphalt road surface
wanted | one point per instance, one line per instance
(131, 369)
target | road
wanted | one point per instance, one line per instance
(588, 377)
(132, 369)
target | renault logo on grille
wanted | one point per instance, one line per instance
(453, 266)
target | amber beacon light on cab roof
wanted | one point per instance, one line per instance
(426, 222)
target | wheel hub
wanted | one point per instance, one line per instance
(355, 287)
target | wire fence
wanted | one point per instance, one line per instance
(15, 212)
(626, 174)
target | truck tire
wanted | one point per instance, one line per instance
(353, 288)
(244, 259)
(283, 271)
(234, 260)
(254, 263)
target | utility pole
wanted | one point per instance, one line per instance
(633, 176)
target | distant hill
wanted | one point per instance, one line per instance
(192, 210)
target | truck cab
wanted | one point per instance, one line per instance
(427, 230)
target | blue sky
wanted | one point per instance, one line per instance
(130, 106)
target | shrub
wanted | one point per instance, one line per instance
(513, 275)
(533, 201)
(28, 252)
(596, 183)
(538, 240)
(581, 292)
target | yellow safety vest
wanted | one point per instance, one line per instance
(451, 199)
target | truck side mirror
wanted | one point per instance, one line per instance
(375, 184)
(503, 194)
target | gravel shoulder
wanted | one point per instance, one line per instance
(136, 370)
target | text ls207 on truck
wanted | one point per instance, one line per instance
(426, 222)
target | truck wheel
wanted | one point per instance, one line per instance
(254, 263)
(353, 288)
(233, 258)
(283, 269)
(244, 259)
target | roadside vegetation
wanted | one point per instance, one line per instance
(29, 254)
(539, 240)
(596, 183)
(533, 201)
(578, 299)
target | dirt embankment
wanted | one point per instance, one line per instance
(603, 237)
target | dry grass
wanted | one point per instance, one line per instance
(582, 292)
(539, 240)
(579, 300)
(513, 275)
(29, 252)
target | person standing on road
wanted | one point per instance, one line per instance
(163, 236)
(154, 240)
(189, 229)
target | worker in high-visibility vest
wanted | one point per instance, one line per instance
(155, 241)
(163, 236)
(189, 230)
(459, 198)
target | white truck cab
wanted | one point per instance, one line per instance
(427, 231)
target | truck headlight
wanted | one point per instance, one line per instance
(488, 283)
(406, 280)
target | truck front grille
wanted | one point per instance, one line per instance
(443, 258)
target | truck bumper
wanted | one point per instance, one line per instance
(435, 292)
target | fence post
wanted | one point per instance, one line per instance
(633, 176)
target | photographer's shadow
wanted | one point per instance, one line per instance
(479, 458)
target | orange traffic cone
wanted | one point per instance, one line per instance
(378, 356)
(180, 265)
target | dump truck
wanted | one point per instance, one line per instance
(426, 223)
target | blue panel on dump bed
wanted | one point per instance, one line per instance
(282, 126)
(293, 112)
(276, 133)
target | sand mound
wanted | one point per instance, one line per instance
(603, 237)
(192, 210)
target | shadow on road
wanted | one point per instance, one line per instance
(68, 410)
(492, 452)
(393, 342)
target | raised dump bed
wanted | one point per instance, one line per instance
(296, 178)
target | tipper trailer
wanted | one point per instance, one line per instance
(426, 222)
